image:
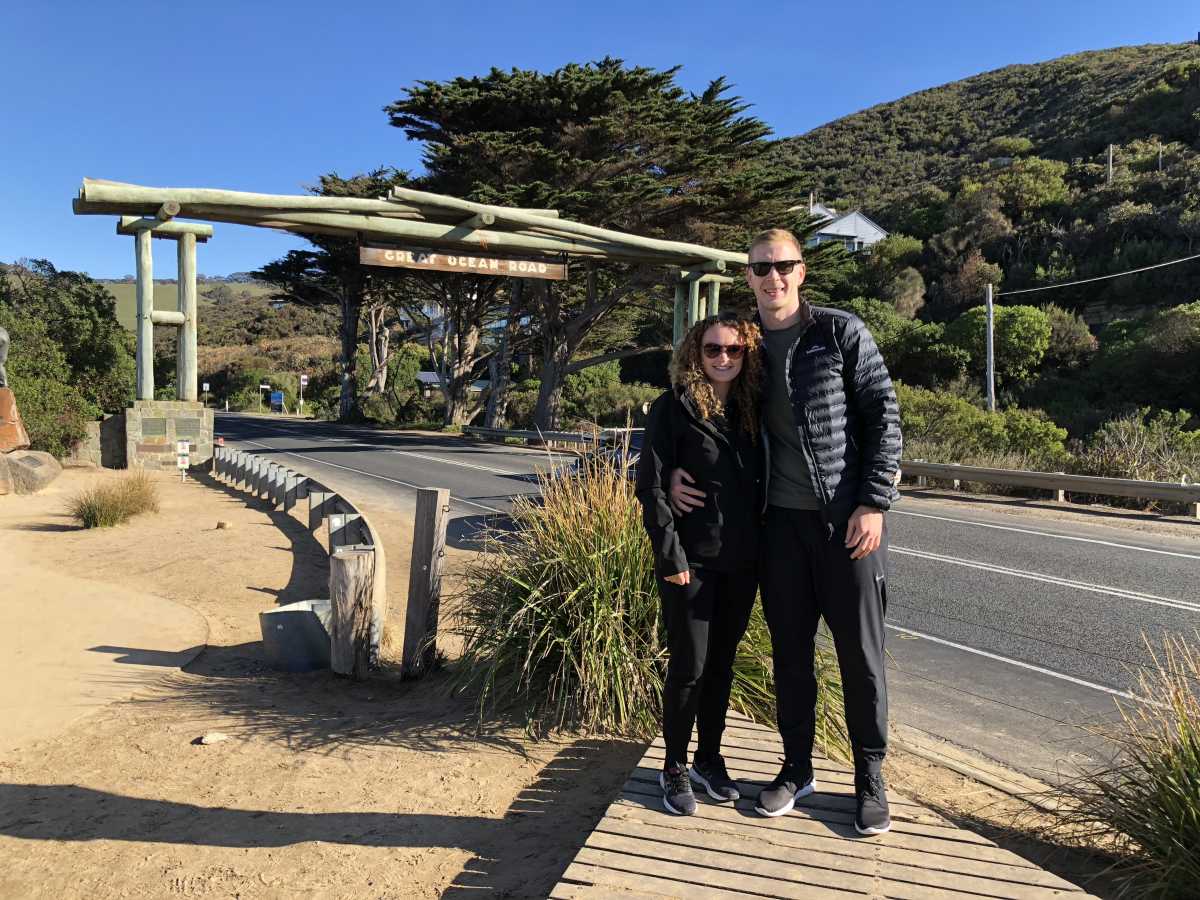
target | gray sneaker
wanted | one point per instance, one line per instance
(871, 815)
(677, 791)
(712, 775)
(795, 780)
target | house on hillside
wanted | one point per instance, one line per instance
(853, 229)
(430, 382)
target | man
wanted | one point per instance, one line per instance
(833, 438)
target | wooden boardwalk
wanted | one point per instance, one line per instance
(727, 850)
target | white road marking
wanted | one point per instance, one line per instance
(455, 462)
(415, 487)
(1049, 534)
(1024, 665)
(1051, 579)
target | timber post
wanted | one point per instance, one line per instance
(145, 313)
(351, 582)
(425, 582)
(185, 367)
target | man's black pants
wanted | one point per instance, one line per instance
(807, 574)
(705, 620)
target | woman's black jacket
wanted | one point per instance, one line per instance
(725, 464)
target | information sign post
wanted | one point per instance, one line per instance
(261, 388)
(183, 458)
(303, 382)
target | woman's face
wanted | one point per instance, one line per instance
(721, 352)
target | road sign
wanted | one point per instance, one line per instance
(264, 387)
(276, 399)
(440, 261)
(183, 454)
(303, 381)
(204, 387)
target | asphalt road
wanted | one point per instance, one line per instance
(1010, 635)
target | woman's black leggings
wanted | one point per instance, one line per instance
(705, 620)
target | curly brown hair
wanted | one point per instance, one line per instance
(687, 371)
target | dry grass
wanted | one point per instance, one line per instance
(1146, 807)
(105, 505)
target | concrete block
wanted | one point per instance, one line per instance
(30, 470)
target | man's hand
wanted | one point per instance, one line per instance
(683, 498)
(864, 531)
(684, 577)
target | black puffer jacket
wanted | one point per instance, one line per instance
(845, 409)
(725, 464)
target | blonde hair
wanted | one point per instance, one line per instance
(777, 235)
(687, 371)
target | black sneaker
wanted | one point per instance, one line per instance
(871, 815)
(794, 780)
(712, 775)
(677, 791)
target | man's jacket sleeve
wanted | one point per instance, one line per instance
(875, 401)
(654, 471)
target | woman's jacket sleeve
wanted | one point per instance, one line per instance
(654, 471)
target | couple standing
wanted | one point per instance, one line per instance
(770, 464)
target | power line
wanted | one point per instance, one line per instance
(1050, 287)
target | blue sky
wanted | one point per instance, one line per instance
(266, 96)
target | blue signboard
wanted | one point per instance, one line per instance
(276, 399)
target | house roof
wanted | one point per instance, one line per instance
(853, 225)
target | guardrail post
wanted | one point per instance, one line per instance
(425, 582)
(289, 490)
(239, 469)
(278, 477)
(319, 503)
(351, 579)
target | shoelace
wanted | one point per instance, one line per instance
(677, 781)
(871, 785)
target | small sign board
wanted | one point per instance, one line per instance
(276, 399)
(553, 269)
(264, 387)
(204, 387)
(303, 381)
(183, 454)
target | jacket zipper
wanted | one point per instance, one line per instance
(805, 439)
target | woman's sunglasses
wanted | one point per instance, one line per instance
(733, 351)
(782, 266)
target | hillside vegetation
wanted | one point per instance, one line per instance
(1009, 168)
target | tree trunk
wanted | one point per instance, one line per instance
(380, 337)
(351, 310)
(500, 364)
(458, 365)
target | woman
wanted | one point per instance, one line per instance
(706, 424)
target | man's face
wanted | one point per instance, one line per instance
(776, 293)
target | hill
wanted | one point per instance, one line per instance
(166, 295)
(1003, 176)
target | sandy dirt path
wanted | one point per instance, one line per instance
(324, 789)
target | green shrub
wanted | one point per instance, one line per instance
(1151, 446)
(53, 410)
(1021, 337)
(941, 427)
(114, 503)
(1149, 802)
(560, 619)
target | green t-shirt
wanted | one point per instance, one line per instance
(791, 483)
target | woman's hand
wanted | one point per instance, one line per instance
(684, 577)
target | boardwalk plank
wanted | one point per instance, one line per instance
(639, 852)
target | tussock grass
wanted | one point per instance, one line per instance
(118, 501)
(1146, 807)
(560, 618)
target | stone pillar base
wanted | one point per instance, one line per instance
(152, 428)
(13, 435)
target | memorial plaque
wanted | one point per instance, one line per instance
(187, 428)
(465, 263)
(154, 427)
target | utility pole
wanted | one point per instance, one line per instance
(991, 350)
(1110, 163)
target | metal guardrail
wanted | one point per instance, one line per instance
(560, 437)
(347, 532)
(1058, 482)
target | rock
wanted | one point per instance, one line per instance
(5, 481)
(12, 432)
(30, 470)
(213, 737)
(222, 525)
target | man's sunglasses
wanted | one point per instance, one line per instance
(782, 266)
(733, 351)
